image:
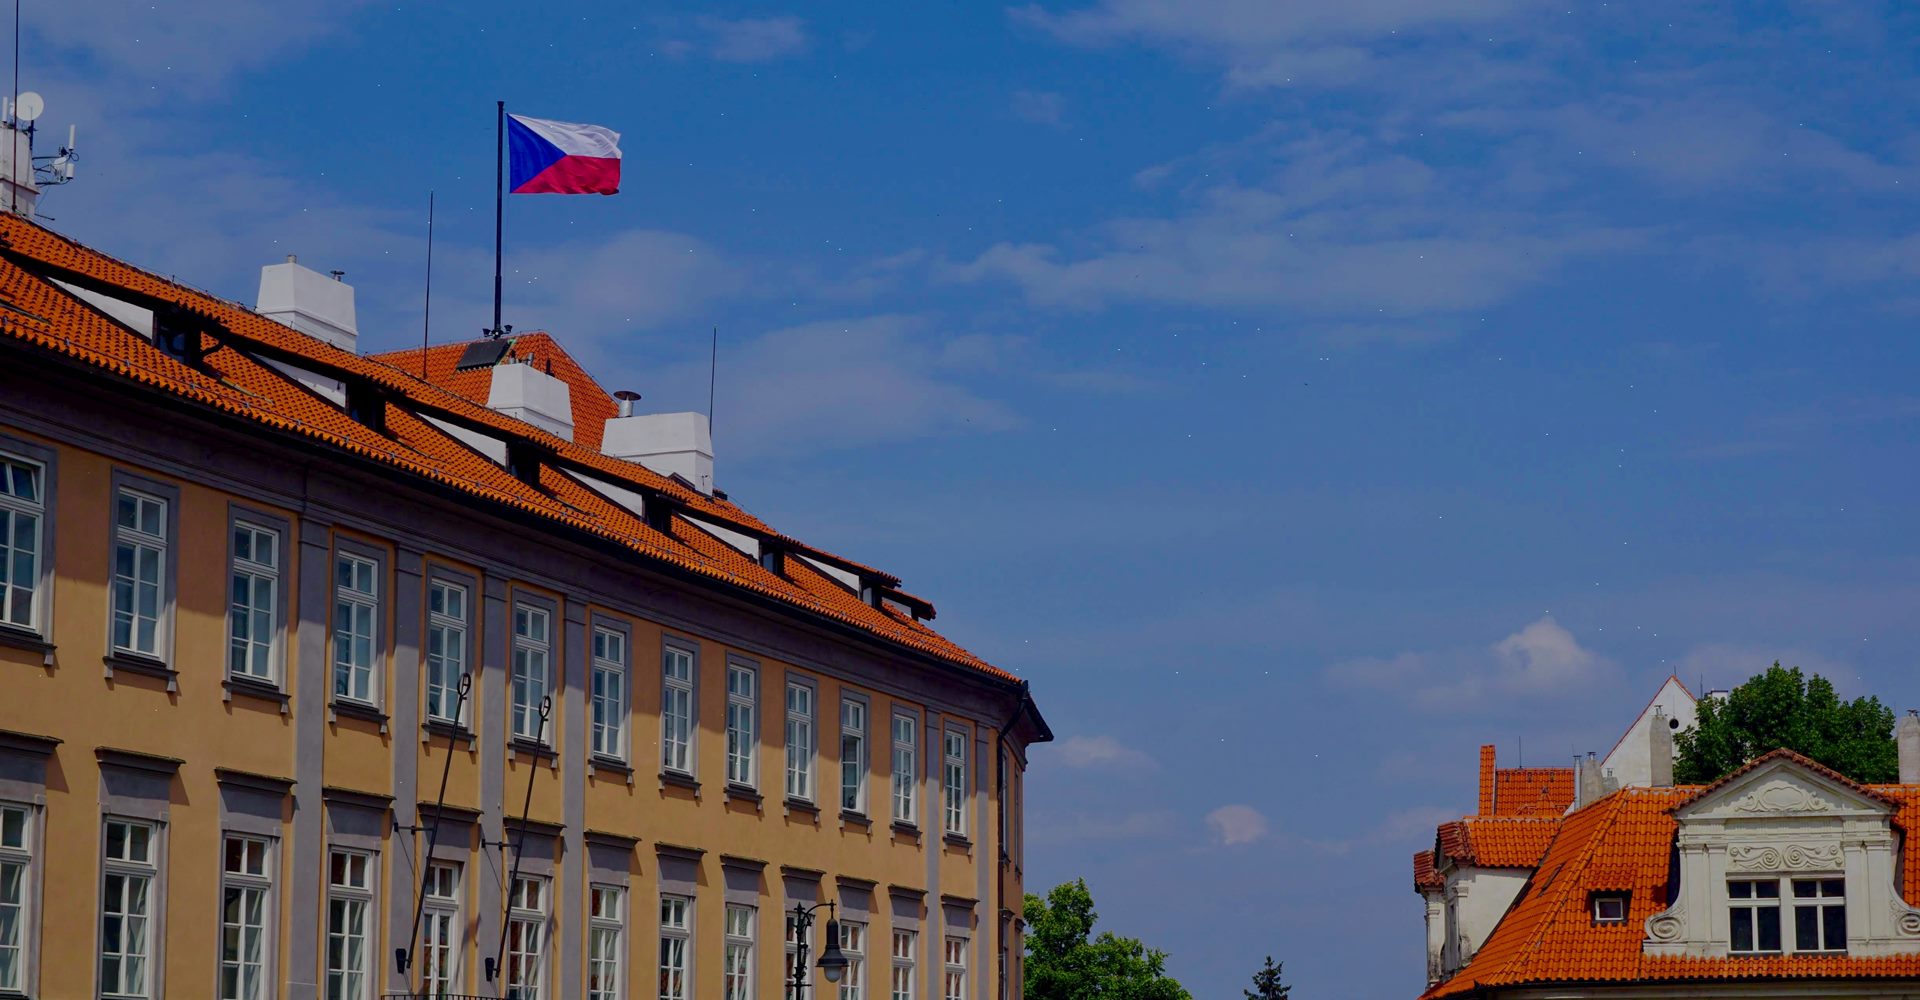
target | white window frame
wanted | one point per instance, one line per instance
(443, 929)
(607, 694)
(737, 968)
(131, 871)
(350, 876)
(856, 719)
(953, 780)
(902, 984)
(853, 944)
(353, 680)
(531, 678)
(954, 970)
(1609, 907)
(17, 882)
(801, 702)
(679, 667)
(1819, 903)
(248, 657)
(743, 732)
(606, 942)
(12, 615)
(1754, 905)
(525, 961)
(906, 768)
(138, 541)
(676, 947)
(252, 879)
(445, 668)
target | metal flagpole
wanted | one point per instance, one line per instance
(499, 201)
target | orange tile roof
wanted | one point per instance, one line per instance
(1425, 879)
(232, 379)
(1532, 791)
(1495, 841)
(592, 407)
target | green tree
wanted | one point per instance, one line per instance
(1783, 708)
(1066, 962)
(1267, 984)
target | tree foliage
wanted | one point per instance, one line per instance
(1066, 962)
(1267, 984)
(1783, 708)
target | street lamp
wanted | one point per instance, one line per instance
(832, 964)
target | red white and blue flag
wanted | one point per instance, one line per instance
(548, 157)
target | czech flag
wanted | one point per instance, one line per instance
(561, 157)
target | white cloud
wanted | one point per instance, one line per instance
(1540, 661)
(185, 44)
(1042, 107)
(1080, 828)
(753, 39)
(1100, 751)
(1237, 824)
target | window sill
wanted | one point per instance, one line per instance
(745, 793)
(794, 805)
(14, 637)
(446, 730)
(680, 779)
(597, 763)
(357, 710)
(958, 840)
(906, 829)
(248, 687)
(134, 663)
(850, 818)
(537, 751)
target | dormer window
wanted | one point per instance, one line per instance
(1819, 914)
(1754, 916)
(1609, 907)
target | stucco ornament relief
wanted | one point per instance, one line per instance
(1780, 797)
(1793, 857)
(1668, 925)
(1906, 919)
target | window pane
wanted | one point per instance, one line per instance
(1742, 930)
(1806, 928)
(1834, 919)
(1769, 929)
(1740, 890)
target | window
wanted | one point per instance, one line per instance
(126, 909)
(675, 942)
(526, 937)
(531, 648)
(356, 603)
(737, 975)
(22, 510)
(609, 693)
(1754, 917)
(676, 710)
(793, 949)
(442, 925)
(446, 650)
(139, 559)
(800, 742)
(955, 980)
(853, 755)
(606, 942)
(905, 768)
(903, 945)
(954, 782)
(1820, 914)
(1609, 908)
(742, 683)
(349, 925)
(853, 944)
(246, 879)
(16, 885)
(253, 607)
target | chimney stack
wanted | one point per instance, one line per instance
(1907, 735)
(524, 392)
(1660, 749)
(1591, 788)
(315, 304)
(1486, 780)
(672, 444)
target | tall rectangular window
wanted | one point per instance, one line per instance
(246, 882)
(906, 765)
(955, 978)
(676, 933)
(532, 649)
(609, 693)
(356, 608)
(853, 944)
(253, 602)
(954, 781)
(904, 943)
(742, 708)
(853, 755)
(446, 650)
(676, 709)
(349, 957)
(793, 949)
(1820, 914)
(736, 981)
(1754, 916)
(442, 928)
(127, 907)
(606, 943)
(139, 560)
(527, 938)
(23, 507)
(800, 742)
(16, 883)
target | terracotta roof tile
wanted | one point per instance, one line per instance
(1425, 879)
(1532, 791)
(1496, 841)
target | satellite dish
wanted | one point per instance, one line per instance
(29, 107)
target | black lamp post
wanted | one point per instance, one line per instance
(832, 964)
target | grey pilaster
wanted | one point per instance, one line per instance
(933, 827)
(570, 947)
(404, 885)
(309, 734)
(490, 723)
(986, 851)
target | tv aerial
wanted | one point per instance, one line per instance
(48, 171)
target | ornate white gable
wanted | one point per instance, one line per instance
(1785, 819)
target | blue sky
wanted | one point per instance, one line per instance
(1299, 394)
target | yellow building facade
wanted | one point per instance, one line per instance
(239, 663)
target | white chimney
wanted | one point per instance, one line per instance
(1907, 737)
(672, 444)
(526, 393)
(18, 193)
(315, 304)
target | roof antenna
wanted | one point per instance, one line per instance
(713, 376)
(426, 310)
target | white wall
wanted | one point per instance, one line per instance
(1630, 763)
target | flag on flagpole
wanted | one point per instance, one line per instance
(548, 157)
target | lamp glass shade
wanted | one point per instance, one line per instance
(833, 962)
